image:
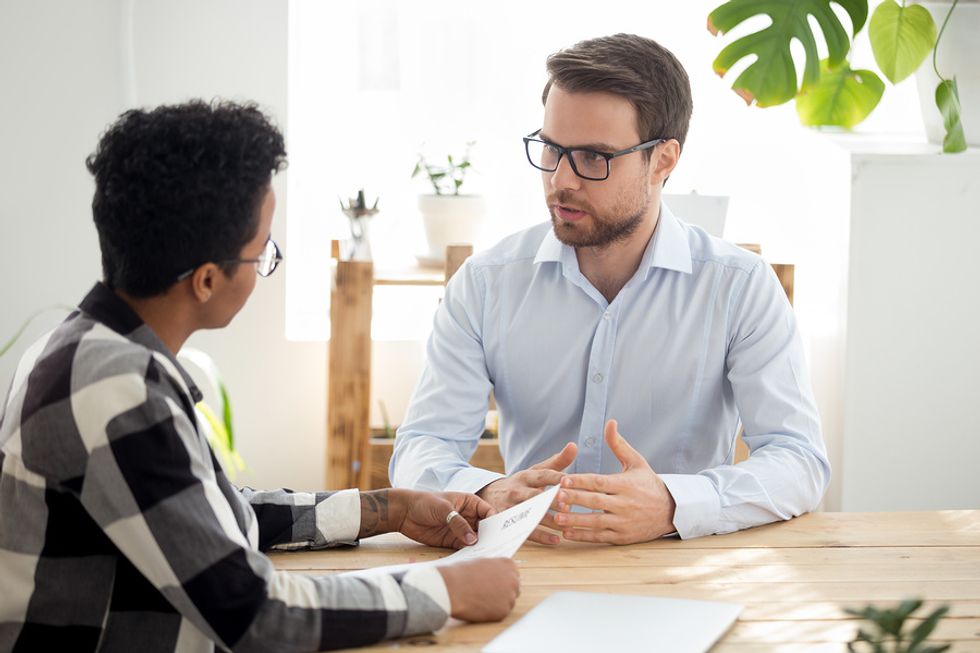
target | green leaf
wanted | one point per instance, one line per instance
(771, 78)
(948, 101)
(418, 169)
(907, 607)
(842, 98)
(924, 629)
(901, 38)
(220, 441)
(226, 413)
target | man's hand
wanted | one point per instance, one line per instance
(636, 505)
(422, 516)
(482, 590)
(521, 486)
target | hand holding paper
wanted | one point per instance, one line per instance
(499, 536)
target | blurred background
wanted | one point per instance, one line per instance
(362, 88)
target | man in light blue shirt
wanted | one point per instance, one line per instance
(618, 316)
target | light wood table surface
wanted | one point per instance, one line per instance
(794, 578)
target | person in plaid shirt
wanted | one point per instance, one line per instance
(119, 531)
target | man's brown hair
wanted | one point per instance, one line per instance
(633, 67)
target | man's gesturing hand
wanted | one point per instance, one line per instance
(521, 486)
(635, 503)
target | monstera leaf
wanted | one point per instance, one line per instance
(842, 97)
(901, 38)
(771, 78)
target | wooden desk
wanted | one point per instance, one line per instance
(794, 578)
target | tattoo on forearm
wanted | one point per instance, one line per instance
(374, 513)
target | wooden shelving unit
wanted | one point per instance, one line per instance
(349, 450)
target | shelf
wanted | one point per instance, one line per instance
(410, 276)
(349, 452)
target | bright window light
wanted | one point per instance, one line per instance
(373, 83)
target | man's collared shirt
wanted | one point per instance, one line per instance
(119, 531)
(700, 340)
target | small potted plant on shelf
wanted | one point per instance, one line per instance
(450, 216)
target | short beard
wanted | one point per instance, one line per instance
(605, 230)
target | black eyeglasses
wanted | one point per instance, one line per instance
(266, 263)
(587, 164)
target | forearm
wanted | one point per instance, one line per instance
(775, 483)
(382, 511)
(304, 613)
(437, 464)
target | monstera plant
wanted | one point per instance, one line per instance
(831, 92)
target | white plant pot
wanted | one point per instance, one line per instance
(958, 56)
(451, 220)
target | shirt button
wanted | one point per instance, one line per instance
(597, 378)
(590, 441)
(605, 316)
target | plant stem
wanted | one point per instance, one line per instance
(935, 48)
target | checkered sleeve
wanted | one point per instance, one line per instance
(150, 485)
(291, 520)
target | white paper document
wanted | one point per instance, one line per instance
(574, 622)
(498, 536)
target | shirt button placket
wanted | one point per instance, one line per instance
(596, 395)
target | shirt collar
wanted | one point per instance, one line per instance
(550, 248)
(105, 306)
(668, 249)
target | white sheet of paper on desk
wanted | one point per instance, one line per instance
(498, 536)
(585, 622)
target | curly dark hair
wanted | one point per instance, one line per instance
(179, 186)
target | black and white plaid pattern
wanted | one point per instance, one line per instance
(120, 532)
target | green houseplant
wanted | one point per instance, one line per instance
(831, 93)
(888, 633)
(449, 215)
(445, 179)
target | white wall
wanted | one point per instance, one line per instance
(60, 83)
(237, 50)
(911, 422)
(67, 69)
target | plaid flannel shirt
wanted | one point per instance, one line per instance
(119, 530)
